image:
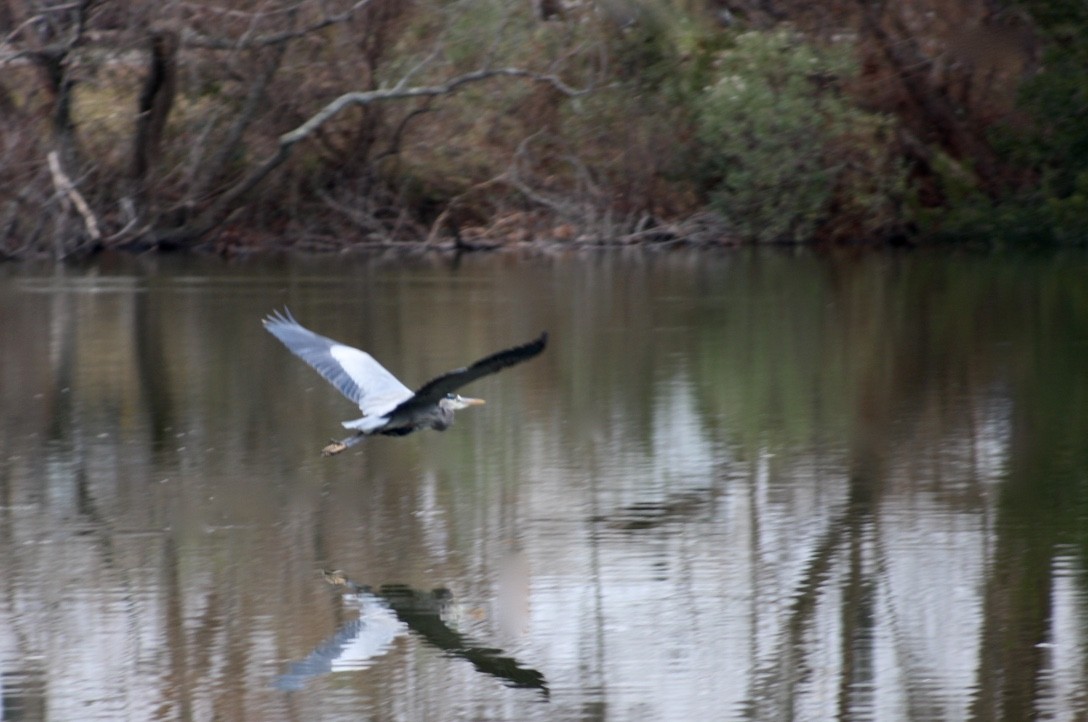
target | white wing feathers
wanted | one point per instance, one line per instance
(380, 391)
(353, 372)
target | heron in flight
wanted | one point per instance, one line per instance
(389, 407)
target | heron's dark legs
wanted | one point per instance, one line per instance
(337, 446)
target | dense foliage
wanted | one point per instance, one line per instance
(785, 154)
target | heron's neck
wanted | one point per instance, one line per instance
(443, 417)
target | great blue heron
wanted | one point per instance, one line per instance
(389, 407)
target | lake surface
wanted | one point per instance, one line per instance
(737, 485)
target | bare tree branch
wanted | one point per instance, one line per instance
(398, 134)
(7, 40)
(399, 91)
(67, 190)
(256, 95)
(228, 202)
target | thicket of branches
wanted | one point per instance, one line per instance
(330, 122)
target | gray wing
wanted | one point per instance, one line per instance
(355, 373)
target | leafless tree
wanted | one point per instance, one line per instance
(223, 95)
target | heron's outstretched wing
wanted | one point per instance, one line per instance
(432, 391)
(355, 373)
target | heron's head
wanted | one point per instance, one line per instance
(456, 402)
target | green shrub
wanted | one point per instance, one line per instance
(783, 149)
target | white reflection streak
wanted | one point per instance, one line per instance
(794, 510)
(930, 615)
(990, 446)
(679, 650)
(816, 694)
(1063, 691)
(935, 553)
(681, 448)
(432, 518)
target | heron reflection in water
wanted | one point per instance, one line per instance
(389, 407)
(384, 615)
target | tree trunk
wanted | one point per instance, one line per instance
(155, 102)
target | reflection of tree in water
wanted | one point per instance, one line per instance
(915, 397)
(389, 612)
(1043, 504)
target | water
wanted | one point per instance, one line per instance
(746, 485)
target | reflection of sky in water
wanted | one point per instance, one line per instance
(682, 453)
(694, 620)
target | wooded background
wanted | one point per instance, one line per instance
(326, 123)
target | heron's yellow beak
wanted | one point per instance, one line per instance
(472, 402)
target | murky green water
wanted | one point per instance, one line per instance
(736, 486)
